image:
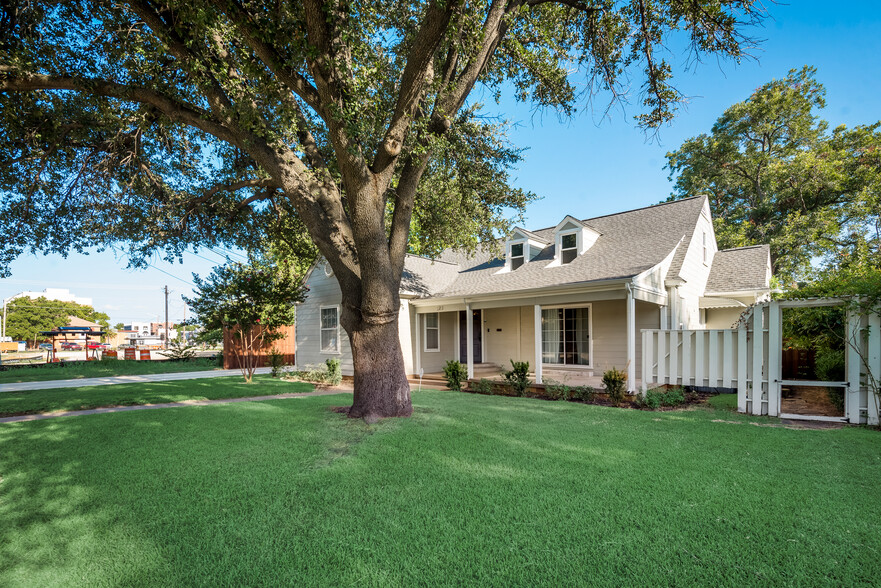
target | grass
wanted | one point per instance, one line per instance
(54, 399)
(472, 490)
(71, 370)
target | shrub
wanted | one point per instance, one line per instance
(583, 393)
(658, 397)
(456, 373)
(615, 383)
(334, 372)
(557, 390)
(482, 386)
(179, 351)
(275, 358)
(518, 377)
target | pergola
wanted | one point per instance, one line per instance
(65, 332)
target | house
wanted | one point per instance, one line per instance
(569, 299)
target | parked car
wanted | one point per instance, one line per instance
(47, 346)
(69, 346)
(94, 345)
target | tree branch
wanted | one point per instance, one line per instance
(177, 111)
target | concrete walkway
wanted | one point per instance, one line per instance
(110, 380)
(52, 415)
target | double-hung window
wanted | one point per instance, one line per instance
(330, 329)
(432, 332)
(568, 248)
(517, 258)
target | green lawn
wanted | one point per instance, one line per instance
(28, 402)
(472, 490)
(100, 369)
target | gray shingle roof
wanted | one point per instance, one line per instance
(630, 243)
(743, 268)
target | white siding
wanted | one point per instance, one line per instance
(695, 272)
(323, 291)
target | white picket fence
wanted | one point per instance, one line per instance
(743, 358)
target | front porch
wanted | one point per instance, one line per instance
(567, 338)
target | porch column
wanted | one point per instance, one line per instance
(538, 344)
(469, 338)
(631, 341)
(417, 364)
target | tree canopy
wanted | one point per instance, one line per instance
(168, 123)
(28, 316)
(776, 174)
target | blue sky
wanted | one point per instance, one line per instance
(588, 166)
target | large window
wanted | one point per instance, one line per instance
(517, 258)
(565, 336)
(330, 329)
(432, 332)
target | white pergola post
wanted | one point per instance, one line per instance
(758, 360)
(775, 356)
(874, 352)
(469, 338)
(631, 343)
(538, 344)
(852, 400)
(742, 391)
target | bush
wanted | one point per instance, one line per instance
(334, 372)
(275, 358)
(615, 383)
(557, 390)
(583, 393)
(518, 377)
(483, 386)
(658, 397)
(456, 373)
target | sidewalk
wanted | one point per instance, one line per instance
(110, 380)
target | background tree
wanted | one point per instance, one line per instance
(776, 175)
(28, 316)
(166, 123)
(250, 301)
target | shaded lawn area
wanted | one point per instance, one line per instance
(71, 370)
(474, 490)
(55, 399)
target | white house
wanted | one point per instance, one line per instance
(569, 299)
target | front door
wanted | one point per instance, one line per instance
(477, 325)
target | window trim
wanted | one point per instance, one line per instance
(322, 329)
(425, 328)
(577, 248)
(572, 366)
(706, 249)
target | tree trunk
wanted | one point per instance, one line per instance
(381, 387)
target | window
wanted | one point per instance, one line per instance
(328, 271)
(568, 248)
(330, 329)
(432, 332)
(565, 336)
(705, 247)
(517, 258)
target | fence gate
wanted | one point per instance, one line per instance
(749, 359)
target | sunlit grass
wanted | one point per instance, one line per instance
(473, 490)
(71, 370)
(55, 399)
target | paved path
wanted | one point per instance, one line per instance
(46, 384)
(52, 415)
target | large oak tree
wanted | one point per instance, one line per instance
(169, 123)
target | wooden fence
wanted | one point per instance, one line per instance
(743, 358)
(286, 345)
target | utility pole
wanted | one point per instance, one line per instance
(166, 317)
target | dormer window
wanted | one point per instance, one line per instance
(571, 239)
(516, 255)
(568, 247)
